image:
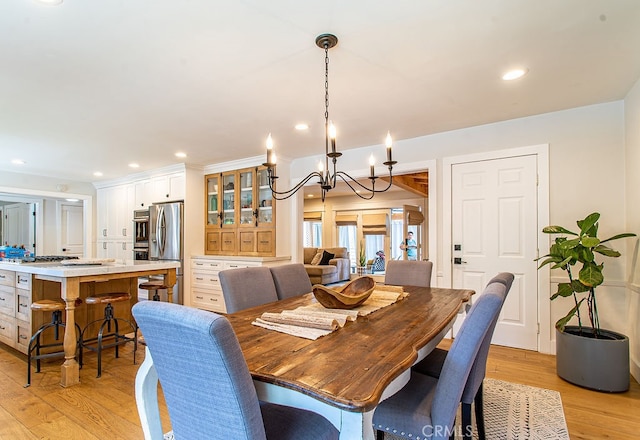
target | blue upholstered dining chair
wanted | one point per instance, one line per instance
(291, 280)
(247, 287)
(432, 366)
(426, 407)
(206, 383)
(408, 273)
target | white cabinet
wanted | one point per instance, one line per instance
(15, 309)
(118, 249)
(115, 212)
(142, 194)
(158, 189)
(115, 207)
(167, 188)
(206, 292)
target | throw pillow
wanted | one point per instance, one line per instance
(326, 256)
(316, 259)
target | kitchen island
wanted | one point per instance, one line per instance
(72, 283)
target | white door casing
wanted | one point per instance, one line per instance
(497, 211)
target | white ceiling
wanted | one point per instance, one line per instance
(94, 85)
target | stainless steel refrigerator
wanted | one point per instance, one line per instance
(166, 237)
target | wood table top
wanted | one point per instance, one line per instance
(351, 367)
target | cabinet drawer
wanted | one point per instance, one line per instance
(23, 310)
(210, 300)
(207, 265)
(7, 329)
(205, 280)
(23, 281)
(7, 278)
(240, 264)
(23, 335)
(7, 300)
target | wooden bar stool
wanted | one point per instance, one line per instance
(109, 319)
(154, 286)
(35, 343)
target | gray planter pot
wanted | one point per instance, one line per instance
(599, 364)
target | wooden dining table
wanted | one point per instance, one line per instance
(345, 374)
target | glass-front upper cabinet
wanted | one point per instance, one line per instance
(247, 178)
(265, 204)
(213, 214)
(228, 199)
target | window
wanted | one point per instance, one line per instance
(312, 231)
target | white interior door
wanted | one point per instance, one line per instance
(71, 231)
(16, 228)
(494, 229)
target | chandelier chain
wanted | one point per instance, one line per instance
(326, 85)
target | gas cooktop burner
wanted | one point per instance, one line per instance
(39, 259)
(51, 258)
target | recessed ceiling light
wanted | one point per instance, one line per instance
(97, 174)
(310, 196)
(134, 165)
(514, 74)
(302, 126)
(72, 200)
(181, 154)
(50, 2)
(18, 162)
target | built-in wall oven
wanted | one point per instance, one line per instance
(141, 234)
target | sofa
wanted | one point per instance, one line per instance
(337, 269)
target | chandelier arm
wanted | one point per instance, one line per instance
(283, 195)
(372, 189)
(341, 174)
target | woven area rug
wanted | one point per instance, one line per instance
(517, 412)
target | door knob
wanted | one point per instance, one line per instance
(458, 260)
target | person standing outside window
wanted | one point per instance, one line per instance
(410, 246)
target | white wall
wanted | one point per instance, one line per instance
(632, 185)
(587, 160)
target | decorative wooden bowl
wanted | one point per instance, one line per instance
(350, 295)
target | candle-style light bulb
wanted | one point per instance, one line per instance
(388, 143)
(320, 167)
(332, 136)
(372, 164)
(269, 148)
(273, 158)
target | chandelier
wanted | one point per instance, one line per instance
(328, 176)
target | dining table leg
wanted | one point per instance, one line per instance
(70, 370)
(357, 425)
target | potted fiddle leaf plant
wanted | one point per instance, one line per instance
(586, 354)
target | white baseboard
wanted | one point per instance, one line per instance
(635, 370)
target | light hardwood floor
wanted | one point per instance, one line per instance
(105, 408)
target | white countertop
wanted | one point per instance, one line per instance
(239, 258)
(58, 270)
